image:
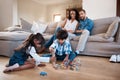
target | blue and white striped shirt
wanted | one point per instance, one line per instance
(61, 49)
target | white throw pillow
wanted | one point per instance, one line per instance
(13, 28)
(38, 27)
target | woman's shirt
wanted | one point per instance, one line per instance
(71, 25)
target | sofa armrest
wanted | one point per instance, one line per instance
(117, 39)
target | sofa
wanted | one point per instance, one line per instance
(104, 40)
(98, 44)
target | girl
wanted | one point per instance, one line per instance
(20, 61)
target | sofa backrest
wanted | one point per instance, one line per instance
(51, 27)
(117, 36)
(102, 25)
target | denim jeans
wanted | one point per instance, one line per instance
(51, 40)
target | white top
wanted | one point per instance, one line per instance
(37, 58)
(71, 25)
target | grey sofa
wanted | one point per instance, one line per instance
(97, 45)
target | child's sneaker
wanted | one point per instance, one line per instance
(113, 58)
(118, 58)
(76, 53)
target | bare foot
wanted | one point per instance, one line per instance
(41, 65)
(7, 71)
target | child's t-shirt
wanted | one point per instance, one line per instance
(65, 48)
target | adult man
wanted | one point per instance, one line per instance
(84, 30)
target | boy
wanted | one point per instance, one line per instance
(61, 49)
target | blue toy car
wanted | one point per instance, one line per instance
(43, 73)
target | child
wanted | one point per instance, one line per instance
(61, 49)
(19, 60)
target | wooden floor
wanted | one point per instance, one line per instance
(92, 68)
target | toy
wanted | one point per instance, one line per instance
(43, 73)
(76, 65)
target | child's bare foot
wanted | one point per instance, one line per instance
(7, 71)
(41, 65)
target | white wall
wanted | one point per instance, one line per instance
(7, 13)
(31, 10)
(61, 8)
(15, 12)
(100, 8)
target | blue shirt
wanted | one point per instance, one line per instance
(86, 24)
(61, 49)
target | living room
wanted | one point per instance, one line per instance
(20, 17)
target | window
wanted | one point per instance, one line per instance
(57, 17)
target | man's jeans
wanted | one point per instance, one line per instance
(83, 40)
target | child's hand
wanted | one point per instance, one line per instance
(66, 59)
(51, 50)
(53, 59)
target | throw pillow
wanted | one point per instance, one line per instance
(51, 27)
(11, 29)
(38, 27)
(26, 26)
(112, 29)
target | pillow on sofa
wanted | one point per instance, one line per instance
(13, 28)
(26, 26)
(38, 27)
(112, 29)
(51, 27)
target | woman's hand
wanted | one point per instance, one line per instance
(71, 31)
(79, 31)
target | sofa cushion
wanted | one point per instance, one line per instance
(38, 27)
(51, 28)
(112, 29)
(13, 28)
(14, 36)
(96, 38)
(100, 38)
(26, 26)
(102, 25)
